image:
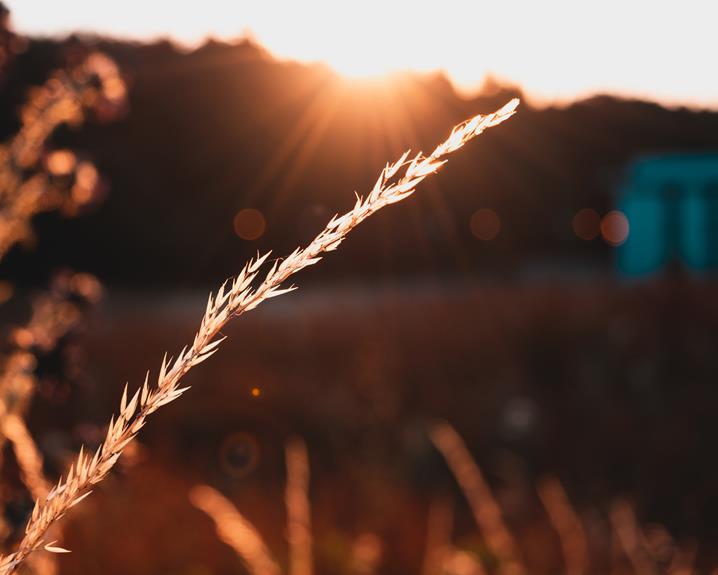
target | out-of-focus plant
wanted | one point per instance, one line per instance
(487, 512)
(34, 179)
(235, 297)
(566, 522)
(244, 538)
(55, 314)
(239, 533)
(235, 530)
(299, 517)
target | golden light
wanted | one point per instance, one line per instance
(249, 224)
(615, 228)
(485, 224)
(60, 162)
(115, 89)
(86, 181)
(586, 224)
(582, 48)
(23, 338)
(87, 175)
(87, 286)
(256, 392)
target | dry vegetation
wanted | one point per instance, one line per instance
(636, 550)
(34, 178)
(243, 293)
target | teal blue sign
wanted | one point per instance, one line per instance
(671, 202)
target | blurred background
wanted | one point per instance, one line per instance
(551, 293)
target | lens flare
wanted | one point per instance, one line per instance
(485, 224)
(249, 224)
(615, 228)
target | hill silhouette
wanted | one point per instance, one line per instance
(224, 127)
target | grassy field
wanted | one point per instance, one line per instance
(608, 386)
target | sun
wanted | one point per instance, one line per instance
(555, 49)
(359, 67)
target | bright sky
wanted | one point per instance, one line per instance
(556, 49)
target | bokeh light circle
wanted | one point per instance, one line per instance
(615, 228)
(249, 224)
(485, 224)
(239, 454)
(60, 162)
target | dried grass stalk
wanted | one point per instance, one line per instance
(17, 385)
(235, 530)
(630, 537)
(233, 298)
(296, 500)
(238, 532)
(54, 315)
(484, 506)
(567, 524)
(27, 454)
(439, 525)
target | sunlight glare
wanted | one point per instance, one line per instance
(555, 49)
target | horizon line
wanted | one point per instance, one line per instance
(532, 98)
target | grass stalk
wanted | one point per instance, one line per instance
(439, 526)
(235, 297)
(567, 524)
(484, 506)
(235, 530)
(296, 499)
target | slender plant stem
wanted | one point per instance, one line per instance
(234, 297)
